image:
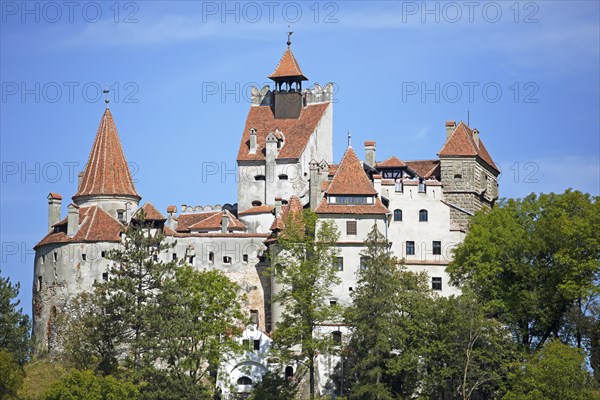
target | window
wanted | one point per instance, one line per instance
(246, 344)
(289, 371)
(226, 260)
(351, 200)
(120, 215)
(398, 187)
(254, 317)
(350, 289)
(256, 203)
(244, 380)
(211, 257)
(174, 256)
(336, 337)
(103, 254)
(333, 302)
(339, 263)
(437, 247)
(256, 344)
(191, 259)
(245, 258)
(155, 257)
(84, 256)
(105, 276)
(363, 263)
(39, 283)
(55, 256)
(350, 227)
(283, 177)
(410, 248)
(397, 215)
(457, 176)
(423, 216)
(259, 177)
(436, 283)
(43, 259)
(422, 187)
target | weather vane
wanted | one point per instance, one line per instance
(289, 42)
(106, 100)
(349, 138)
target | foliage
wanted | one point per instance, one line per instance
(11, 375)
(14, 325)
(40, 374)
(467, 354)
(85, 385)
(305, 269)
(390, 319)
(557, 371)
(275, 387)
(532, 262)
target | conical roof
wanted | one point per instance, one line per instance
(350, 177)
(107, 172)
(288, 67)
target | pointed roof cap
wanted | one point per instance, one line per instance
(150, 213)
(107, 172)
(350, 178)
(288, 67)
(392, 162)
(463, 143)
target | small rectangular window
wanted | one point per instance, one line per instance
(350, 289)
(39, 283)
(84, 256)
(43, 259)
(245, 258)
(103, 254)
(55, 256)
(256, 344)
(436, 283)
(410, 248)
(191, 259)
(254, 317)
(226, 260)
(120, 215)
(246, 344)
(174, 256)
(437, 247)
(351, 227)
(339, 263)
(332, 302)
(105, 276)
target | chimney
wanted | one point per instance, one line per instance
(224, 222)
(252, 141)
(54, 202)
(277, 206)
(72, 220)
(450, 126)
(314, 185)
(171, 222)
(476, 137)
(79, 180)
(377, 183)
(370, 152)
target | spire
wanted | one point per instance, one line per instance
(288, 69)
(106, 100)
(289, 42)
(349, 139)
(107, 172)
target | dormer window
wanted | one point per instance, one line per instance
(350, 200)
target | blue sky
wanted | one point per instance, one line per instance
(526, 73)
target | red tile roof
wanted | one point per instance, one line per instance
(288, 67)
(425, 168)
(107, 172)
(294, 207)
(369, 143)
(297, 131)
(151, 213)
(207, 221)
(95, 225)
(462, 143)
(258, 210)
(361, 209)
(171, 209)
(54, 195)
(392, 162)
(350, 178)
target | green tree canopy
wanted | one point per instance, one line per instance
(14, 325)
(85, 385)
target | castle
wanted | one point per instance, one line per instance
(285, 162)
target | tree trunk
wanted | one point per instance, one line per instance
(311, 373)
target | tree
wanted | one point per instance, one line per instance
(304, 267)
(14, 325)
(557, 371)
(11, 375)
(389, 316)
(275, 387)
(467, 354)
(85, 385)
(203, 313)
(533, 260)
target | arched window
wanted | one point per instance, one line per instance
(423, 216)
(397, 215)
(289, 371)
(244, 380)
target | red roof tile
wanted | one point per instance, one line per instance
(288, 67)
(171, 209)
(462, 143)
(213, 222)
(107, 172)
(258, 210)
(95, 225)
(297, 131)
(392, 162)
(350, 178)
(294, 207)
(425, 168)
(151, 213)
(55, 195)
(361, 209)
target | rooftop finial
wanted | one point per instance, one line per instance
(289, 42)
(349, 139)
(106, 100)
